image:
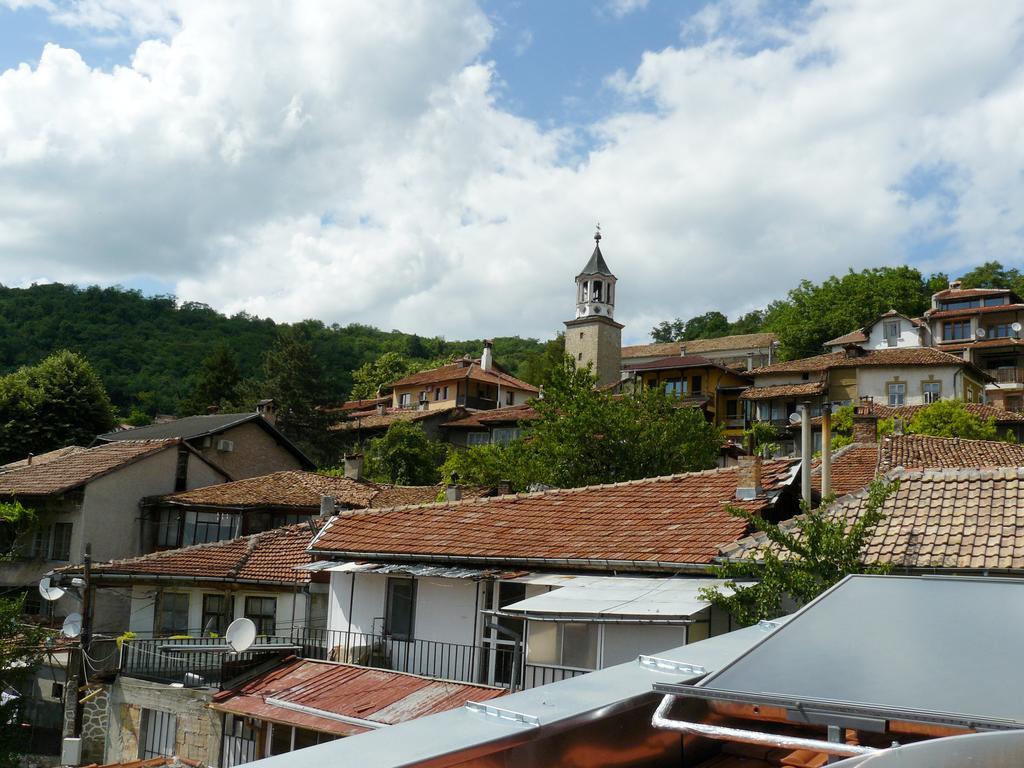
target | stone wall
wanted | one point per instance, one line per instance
(199, 728)
(596, 340)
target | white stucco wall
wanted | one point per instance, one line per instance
(908, 335)
(144, 599)
(872, 382)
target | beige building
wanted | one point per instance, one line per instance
(745, 350)
(593, 337)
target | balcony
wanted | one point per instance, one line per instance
(205, 662)
(1007, 375)
(480, 403)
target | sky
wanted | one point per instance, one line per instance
(439, 166)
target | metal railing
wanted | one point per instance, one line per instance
(1007, 375)
(195, 662)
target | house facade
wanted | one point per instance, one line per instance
(744, 351)
(522, 590)
(889, 330)
(242, 444)
(91, 496)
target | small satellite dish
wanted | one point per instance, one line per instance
(1016, 327)
(72, 625)
(240, 635)
(981, 333)
(794, 418)
(49, 590)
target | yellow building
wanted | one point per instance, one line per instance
(700, 383)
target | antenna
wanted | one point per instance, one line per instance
(1016, 327)
(981, 333)
(49, 590)
(240, 635)
(795, 418)
(72, 625)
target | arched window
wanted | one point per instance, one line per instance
(597, 290)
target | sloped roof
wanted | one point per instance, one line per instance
(932, 314)
(860, 335)
(271, 556)
(936, 518)
(956, 293)
(907, 412)
(702, 346)
(596, 265)
(642, 525)
(783, 390)
(482, 419)
(294, 488)
(464, 369)
(192, 427)
(922, 451)
(75, 468)
(854, 466)
(678, 361)
(374, 420)
(363, 693)
(892, 356)
(42, 458)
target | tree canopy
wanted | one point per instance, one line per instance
(800, 561)
(404, 455)
(950, 418)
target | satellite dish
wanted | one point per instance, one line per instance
(72, 625)
(981, 333)
(49, 590)
(795, 418)
(1016, 327)
(240, 635)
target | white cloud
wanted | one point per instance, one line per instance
(620, 8)
(351, 164)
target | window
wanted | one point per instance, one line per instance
(168, 525)
(955, 330)
(41, 542)
(405, 400)
(892, 332)
(732, 409)
(263, 612)
(675, 387)
(207, 527)
(510, 398)
(579, 356)
(216, 614)
(999, 331)
(158, 731)
(60, 549)
(399, 609)
(505, 435)
(996, 301)
(181, 471)
(437, 393)
(172, 617)
(897, 392)
(932, 391)
(597, 290)
(562, 644)
(287, 738)
(697, 382)
(477, 438)
(57, 691)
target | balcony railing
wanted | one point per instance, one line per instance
(1007, 375)
(202, 662)
(480, 403)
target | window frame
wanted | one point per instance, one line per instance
(63, 554)
(956, 330)
(891, 339)
(260, 618)
(926, 395)
(394, 582)
(161, 626)
(889, 394)
(223, 616)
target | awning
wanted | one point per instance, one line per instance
(610, 599)
(423, 570)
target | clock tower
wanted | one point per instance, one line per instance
(593, 336)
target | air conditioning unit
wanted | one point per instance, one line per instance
(71, 752)
(226, 446)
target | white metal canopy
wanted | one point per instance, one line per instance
(618, 598)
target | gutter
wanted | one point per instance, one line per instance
(567, 562)
(98, 579)
(303, 709)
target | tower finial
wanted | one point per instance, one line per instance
(597, 233)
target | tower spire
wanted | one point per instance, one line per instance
(597, 234)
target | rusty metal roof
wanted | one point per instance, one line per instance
(344, 699)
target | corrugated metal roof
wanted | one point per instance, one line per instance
(598, 597)
(344, 699)
(419, 569)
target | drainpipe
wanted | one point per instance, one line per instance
(826, 450)
(805, 452)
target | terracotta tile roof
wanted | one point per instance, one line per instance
(43, 457)
(464, 369)
(924, 452)
(702, 346)
(483, 419)
(907, 412)
(860, 335)
(271, 556)
(75, 468)
(934, 314)
(298, 489)
(366, 693)
(644, 524)
(374, 420)
(895, 356)
(956, 293)
(853, 467)
(783, 390)
(957, 519)
(367, 404)
(957, 346)
(854, 337)
(677, 361)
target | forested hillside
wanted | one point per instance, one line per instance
(149, 350)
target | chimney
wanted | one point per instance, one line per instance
(326, 506)
(682, 350)
(748, 484)
(504, 487)
(30, 459)
(750, 361)
(487, 358)
(354, 466)
(381, 408)
(267, 408)
(955, 285)
(853, 350)
(865, 424)
(212, 409)
(452, 492)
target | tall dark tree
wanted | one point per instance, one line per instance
(219, 381)
(992, 274)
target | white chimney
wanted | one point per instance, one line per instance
(354, 466)
(326, 506)
(487, 358)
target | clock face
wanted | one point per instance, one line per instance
(597, 310)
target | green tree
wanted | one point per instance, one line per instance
(812, 314)
(710, 325)
(801, 559)
(752, 322)
(667, 331)
(61, 401)
(764, 437)
(20, 650)
(950, 418)
(15, 521)
(371, 376)
(219, 381)
(539, 365)
(404, 455)
(992, 274)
